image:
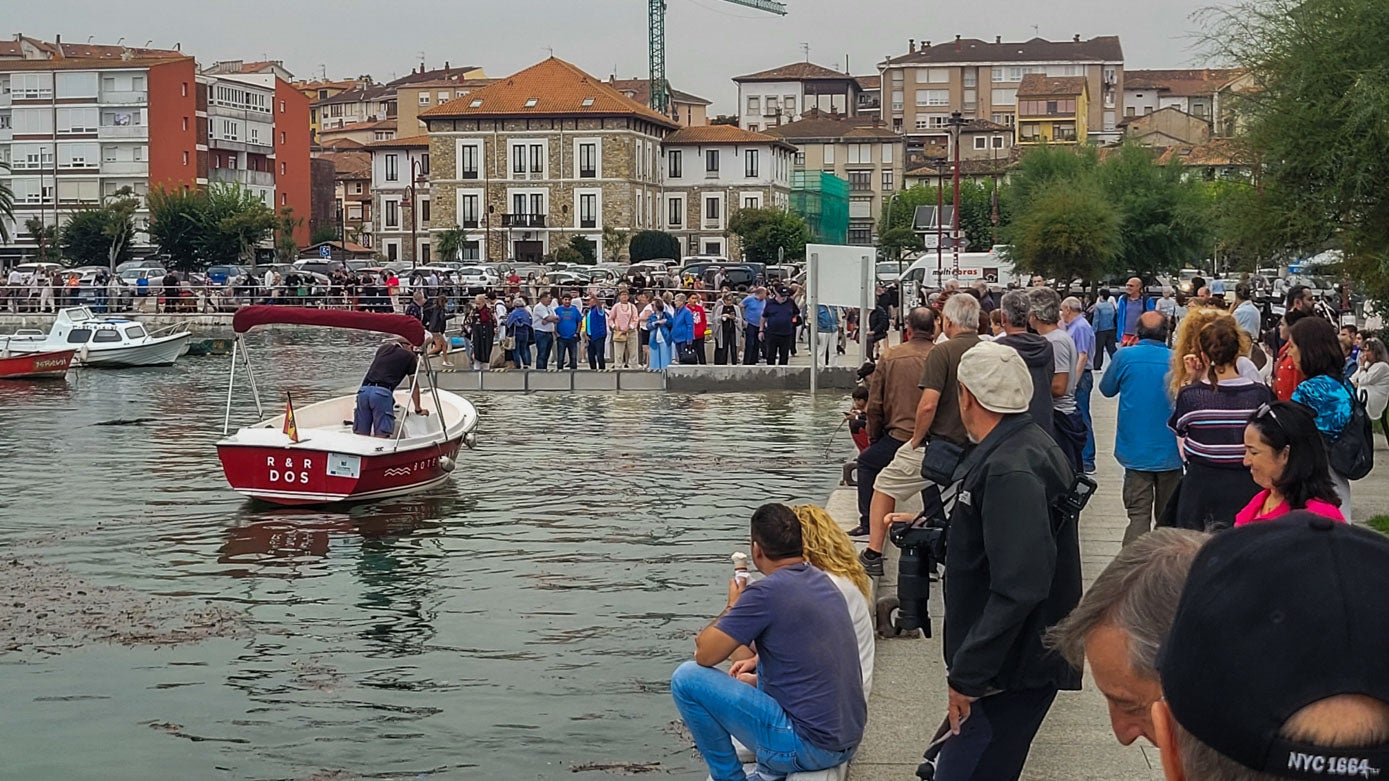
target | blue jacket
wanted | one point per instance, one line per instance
(519, 322)
(659, 320)
(752, 310)
(1122, 312)
(1105, 314)
(682, 325)
(1138, 375)
(596, 323)
(568, 325)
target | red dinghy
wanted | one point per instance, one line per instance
(316, 459)
(52, 365)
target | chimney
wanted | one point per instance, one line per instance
(958, 46)
(1077, 38)
(446, 64)
(925, 45)
(998, 39)
(911, 44)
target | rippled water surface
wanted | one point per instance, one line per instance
(514, 624)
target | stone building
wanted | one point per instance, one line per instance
(526, 163)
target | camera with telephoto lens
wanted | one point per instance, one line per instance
(922, 542)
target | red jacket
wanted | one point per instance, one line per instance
(701, 320)
(1286, 377)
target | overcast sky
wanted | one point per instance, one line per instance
(708, 41)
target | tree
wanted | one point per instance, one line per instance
(976, 211)
(588, 251)
(120, 227)
(1067, 231)
(286, 248)
(45, 238)
(652, 245)
(763, 232)
(899, 241)
(235, 221)
(448, 244)
(323, 233)
(6, 206)
(614, 240)
(101, 235)
(566, 254)
(177, 220)
(1317, 124)
(1164, 219)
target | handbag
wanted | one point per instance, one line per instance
(620, 336)
(687, 354)
(1352, 454)
(941, 459)
(508, 343)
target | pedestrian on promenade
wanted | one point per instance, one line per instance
(1023, 577)
(937, 418)
(1286, 375)
(780, 317)
(1123, 619)
(436, 322)
(595, 331)
(894, 391)
(1044, 315)
(567, 318)
(1104, 316)
(1187, 343)
(1167, 307)
(682, 330)
(1317, 354)
(1241, 698)
(658, 325)
(752, 306)
(622, 322)
(728, 330)
(519, 328)
(1287, 458)
(1078, 328)
(827, 333)
(1208, 418)
(808, 710)
(1036, 353)
(543, 321)
(1246, 314)
(830, 550)
(1372, 380)
(701, 326)
(1143, 444)
(1133, 303)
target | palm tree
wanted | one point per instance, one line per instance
(447, 244)
(6, 206)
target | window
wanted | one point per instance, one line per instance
(537, 159)
(78, 120)
(537, 204)
(933, 97)
(1063, 70)
(860, 153)
(185, 123)
(754, 105)
(588, 160)
(887, 181)
(674, 165)
(981, 142)
(586, 102)
(829, 154)
(424, 211)
(282, 137)
(424, 99)
(750, 165)
(1005, 97)
(860, 181)
(185, 158)
(518, 203)
(356, 188)
(392, 213)
(392, 251)
(1064, 131)
(467, 161)
(79, 336)
(860, 234)
(788, 105)
(711, 161)
(1130, 111)
(1030, 132)
(284, 168)
(970, 78)
(897, 100)
(183, 89)
(477, 103)
(424, 164)
(468, 210)
(998, 142)
(676, 207)
(800, 157)
(1004, 119)
(922, 124)
(887, 153)
(712, 209)
(530, 102)
(1111, 76)
(933, 76)
(518, 160)
(752, 201)
(255, 135)
(588, 211)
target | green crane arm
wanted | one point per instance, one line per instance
(656, 21)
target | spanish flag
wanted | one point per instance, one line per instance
(291, 428)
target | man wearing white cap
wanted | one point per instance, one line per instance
(1012, 570)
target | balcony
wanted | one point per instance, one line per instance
(5, 100)
(116, 97)
(523, 220)
(125, 167)
(122, 131)
(241, 176)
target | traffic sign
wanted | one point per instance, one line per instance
(326, 251)
(931, 241)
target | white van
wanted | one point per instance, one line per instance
(974, 267)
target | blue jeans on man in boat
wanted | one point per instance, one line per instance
(718, 707)
(544, 342)
(375, 413)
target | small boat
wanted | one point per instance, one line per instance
(319, 460)
(109, 342)
(51, 365)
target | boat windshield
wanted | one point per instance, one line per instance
(79, 336)
(107, 335)
(135, 332)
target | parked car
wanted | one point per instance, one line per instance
(734, 274)
(477, 279)
(654, 266)
(222, 275)
(317, 266)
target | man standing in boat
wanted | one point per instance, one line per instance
(375, 414)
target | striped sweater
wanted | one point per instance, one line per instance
(1211, 422)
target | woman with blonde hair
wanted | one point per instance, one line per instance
(828, 548)
(1187, 344)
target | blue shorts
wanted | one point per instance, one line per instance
(375, 413)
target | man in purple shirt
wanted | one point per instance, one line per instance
(1073, 315)
(806, 710)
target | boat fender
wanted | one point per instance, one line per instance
(446, 463)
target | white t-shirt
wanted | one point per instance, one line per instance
(538, 314)
(863, 626)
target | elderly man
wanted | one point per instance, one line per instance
(937, 417)
(1132, 303)
(1036, 352)
(1078, 328)
(1044, 315)
(1143, 444)
(1121, 622)
(894, 391)
(1023, 573)
(1274, 666)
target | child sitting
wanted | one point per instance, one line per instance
(857, 417)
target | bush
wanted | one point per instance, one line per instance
(651, 245)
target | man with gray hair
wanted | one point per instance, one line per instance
(1078, 328)
(1044, 315)
(1036, 352)
(1121, 622)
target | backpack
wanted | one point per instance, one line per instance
(1352, 454)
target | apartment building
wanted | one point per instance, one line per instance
(713, 171)
(981, 79)
(352, 195)
(781, 95)
(526, 163)
(322, 89)
(686, 109)
(401, 198)
(274, 68)
(1191, 91)
(860, 150)
(357, 133)
(417, 97)
(870, 94)
(372, 103)
(1053, 110)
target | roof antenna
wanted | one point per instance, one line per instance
(89, 38)
(551, 50)
(805, 48)
(1035, 32)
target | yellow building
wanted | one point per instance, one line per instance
(1053, 110)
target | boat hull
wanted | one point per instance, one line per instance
(299, 476)
(163, 351)
(37, 366)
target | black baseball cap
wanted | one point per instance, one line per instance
(1274, 617)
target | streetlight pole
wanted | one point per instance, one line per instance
(956, 121)
(416, 176)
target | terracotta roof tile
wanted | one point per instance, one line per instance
(722, 134)
(796, 71)
(380, 124)
(1102, 49)
(550, 88)
(438, 74)
(342, 144)
(1039, 85)
(86, 64)
(88, 51)
(361, 95)
(869, 82)
(1217, 152)
(816, 124)
(350, 165)
(642, 92)
(409, 142)
(1182, 83)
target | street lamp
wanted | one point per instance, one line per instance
(417, 176)
(956, 122)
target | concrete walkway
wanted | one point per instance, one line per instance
(1075, 743)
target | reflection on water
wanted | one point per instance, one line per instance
(516, 622)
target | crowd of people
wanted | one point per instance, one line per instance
(1238, 562)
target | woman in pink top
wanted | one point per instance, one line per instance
(1287, 458)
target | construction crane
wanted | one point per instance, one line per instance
(656, 20)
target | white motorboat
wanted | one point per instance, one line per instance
(108, 342)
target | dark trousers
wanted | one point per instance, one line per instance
(544, 343)
(871, 461)
(726, 353)
(596, 360)
(1070, 435)
(698, 346)
(994, 741)
(1106, 342)
(779, 348)
(483, 336)
(752, 349)
(570, 347)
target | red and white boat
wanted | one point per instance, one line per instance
(51, 365)
(328, 463)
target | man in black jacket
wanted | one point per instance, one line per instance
(1012, 569)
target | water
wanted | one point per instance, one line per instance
(519, 622)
